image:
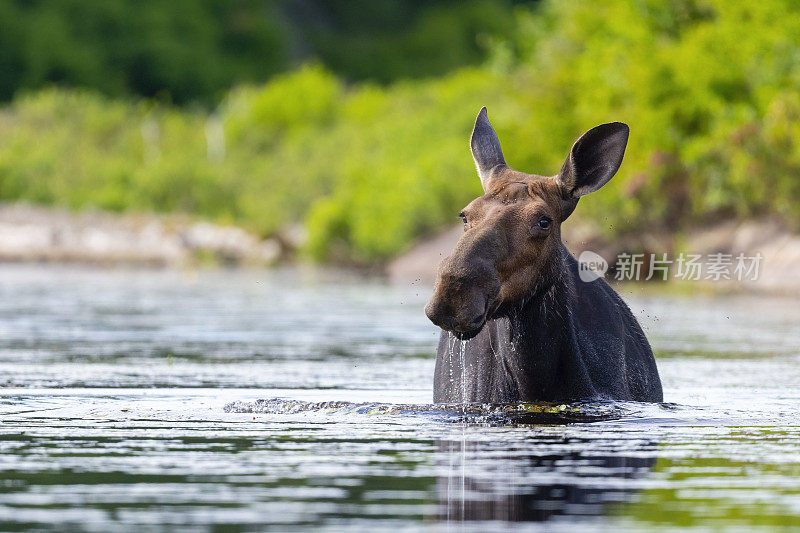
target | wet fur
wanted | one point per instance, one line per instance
(572, 340)
(535, 330)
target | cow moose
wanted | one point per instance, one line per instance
(529, 328)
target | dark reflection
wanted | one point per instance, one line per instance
(537, 479)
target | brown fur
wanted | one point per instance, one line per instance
(539, 331)
(503, 219)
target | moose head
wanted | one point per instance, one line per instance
(511, 247)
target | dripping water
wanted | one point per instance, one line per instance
(451, 341)
(462, 356)
(462, 378)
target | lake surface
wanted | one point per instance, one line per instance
(300, 400)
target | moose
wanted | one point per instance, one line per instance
(530, 328)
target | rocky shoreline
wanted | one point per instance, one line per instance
(776, 245)
(31, 233)
(38, 234)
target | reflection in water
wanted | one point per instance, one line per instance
(495, 481)
(112, 414)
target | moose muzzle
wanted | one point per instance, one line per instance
(467, 286)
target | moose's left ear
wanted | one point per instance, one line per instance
(593, 160)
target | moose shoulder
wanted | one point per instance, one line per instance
(529, 328)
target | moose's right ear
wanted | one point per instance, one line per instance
(593, 160)
(485, 148)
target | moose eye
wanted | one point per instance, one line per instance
(544, 223)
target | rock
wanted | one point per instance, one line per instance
(32, 233)
(779, 247)
(420, 264)
(293, 236)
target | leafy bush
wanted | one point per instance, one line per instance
(709, 88)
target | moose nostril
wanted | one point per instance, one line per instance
(442, 320)
(448, 323)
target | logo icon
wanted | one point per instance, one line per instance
(591, 266)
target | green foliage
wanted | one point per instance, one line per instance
(194, 50)
(695, 80)
(709, 88)
(184, 50)
(394, 39)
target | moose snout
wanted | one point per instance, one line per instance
(452, 320)
(447, 319)
(440, 317)
(461, 305)
(467, 285)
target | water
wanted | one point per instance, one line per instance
(153, 401)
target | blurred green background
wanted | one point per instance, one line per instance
(352, 117)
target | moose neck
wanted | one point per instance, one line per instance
(543, 359)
